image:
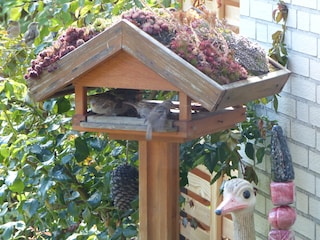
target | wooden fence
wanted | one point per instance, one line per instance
(198, 220)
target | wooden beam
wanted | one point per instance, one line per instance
(80, 100)
(216, 221)
(200, 125)
(185, 106)
(80, 105)
(159, 190)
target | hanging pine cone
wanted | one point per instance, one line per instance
(124, 186)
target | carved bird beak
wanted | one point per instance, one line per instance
(229, 205)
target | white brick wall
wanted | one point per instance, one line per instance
(299, 107)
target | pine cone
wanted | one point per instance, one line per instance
(124, 186)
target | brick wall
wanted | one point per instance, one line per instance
(299, 107)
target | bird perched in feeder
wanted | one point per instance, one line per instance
(105, 104)
(157, 117)
(143, 108)
(13, 29)
(239, 200)
(112, 102)
(31, 34)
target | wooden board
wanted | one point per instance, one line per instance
(122, 70)
(201, 124)
(202, 199)
(194, 234)
(129, 123)
(255, 87)
(199, 186)
(196, 209)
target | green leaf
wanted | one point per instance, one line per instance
(17, 186)
(73, 209)
(4, 209)
(82, 150)
(67, 158)
(117, 234)
(98, 144)
(95, 199)
(59, 174)
(11, 177)
(211, 162)
(116, 151)
(7, 230)
(86, 214)
(4, 150)
(275, 103)
(130, 231)
(36, 149)
(33, 7)
(45, 184)
(3, 190)
(73, 196)
(63, 105)
(276, 36)
(216, 176)
(260, 154)
(5, 139)
(15, 13)
(279, 17)
(250, 174)
(31, 206)
(49, 104)
(249, 150)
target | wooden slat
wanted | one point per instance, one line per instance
(203, 210)
(255, 87)
(194, 234)
(216, 221)
(124, 71)
(234, 3)
(205, 123)
(130, 123)
(196, 209)
(227, 228)
(213, 122)
(199, 186)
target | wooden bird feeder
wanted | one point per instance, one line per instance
(123, 56)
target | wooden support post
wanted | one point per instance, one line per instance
(80, 105)
(80, 99)
(159, 190)
(185, 106)
(216, 221)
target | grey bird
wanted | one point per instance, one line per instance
(13, 29)
(107, 104)
(31, 34)
(157, 118)
(143, 108)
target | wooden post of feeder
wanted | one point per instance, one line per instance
(159, 188)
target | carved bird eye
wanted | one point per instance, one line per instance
(246, 194)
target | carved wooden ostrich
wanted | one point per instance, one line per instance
(239, 200)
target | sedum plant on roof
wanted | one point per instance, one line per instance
(195, 35)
